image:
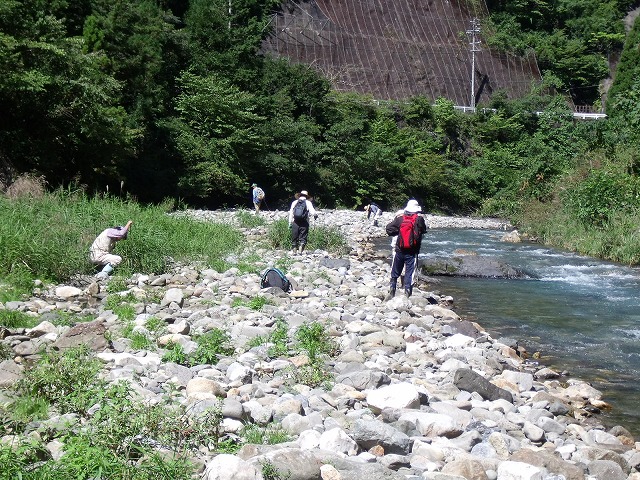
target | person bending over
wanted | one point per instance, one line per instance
(101, 248)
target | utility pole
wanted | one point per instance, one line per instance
(475, 29)
(229, 15)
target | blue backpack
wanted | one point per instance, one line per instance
(272, 277)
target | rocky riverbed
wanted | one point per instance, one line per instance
(415, 392)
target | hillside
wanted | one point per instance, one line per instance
(396, 49)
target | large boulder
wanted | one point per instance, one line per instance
(470, 266)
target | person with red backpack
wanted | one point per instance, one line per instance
(409, 229)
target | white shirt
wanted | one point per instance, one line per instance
(312, 211)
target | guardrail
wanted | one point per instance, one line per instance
(576, 115)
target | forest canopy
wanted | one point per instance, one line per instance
(164, 99)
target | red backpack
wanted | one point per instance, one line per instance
(408, 237)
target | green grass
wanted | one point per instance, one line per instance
(117, 283)
(139, 341)
(617, 241)
(271, 434)
(256, 303)
(72, 220)
(320, 237)
(313, 339)
(248, 219)
(278, 340)
(106, 446)
(15, 319)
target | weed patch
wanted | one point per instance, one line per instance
(211, 345)
(15, 319)
(66, 380)
(247, 219)
(268, 435)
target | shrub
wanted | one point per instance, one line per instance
(67, 380)
(279, 234)
(597, 198)
(21, 411)
(270, 472)
(175, 354)
(279, 339)
(26, 186)
(329, 239)
(315, 374)
(210, 345)
(313, 339)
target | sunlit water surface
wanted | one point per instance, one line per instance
(580, 313)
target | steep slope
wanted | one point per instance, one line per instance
(395, 49)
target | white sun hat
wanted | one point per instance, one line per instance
(413, 207)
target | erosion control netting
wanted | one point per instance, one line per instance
(396, 49)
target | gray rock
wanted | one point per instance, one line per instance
(606, 470)
(230, 467)
(10, 373)
(470, 381)
(470, 266)
(369, 433)
(364, 379)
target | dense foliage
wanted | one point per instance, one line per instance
(161, 99)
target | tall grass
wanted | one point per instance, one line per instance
(618, 240)
(323, 238)
(49, 237)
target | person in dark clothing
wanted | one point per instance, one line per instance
(409, 229)
(299, 213)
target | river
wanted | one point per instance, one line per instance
(580, 313)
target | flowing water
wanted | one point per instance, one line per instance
(580, 313)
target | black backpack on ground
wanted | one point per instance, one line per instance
(300, 211)
(272, 277)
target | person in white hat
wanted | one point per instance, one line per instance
(409, 230)
(299, 213)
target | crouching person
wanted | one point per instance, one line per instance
(101, 248)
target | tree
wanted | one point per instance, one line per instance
(60, 116)
(215, 132)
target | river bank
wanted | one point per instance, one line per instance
(413, 390)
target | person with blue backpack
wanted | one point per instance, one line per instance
(299, 213)
(257, 195)
(408, 229)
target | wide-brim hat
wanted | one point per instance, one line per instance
(413, 207)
